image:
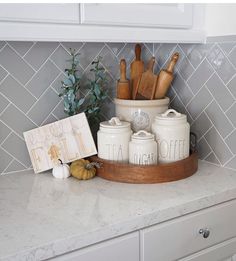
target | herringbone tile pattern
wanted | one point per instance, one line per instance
(204, 88)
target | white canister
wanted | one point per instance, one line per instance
(172, 133)
(113, 140)
(143, 148)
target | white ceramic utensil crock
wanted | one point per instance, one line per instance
(143, 148)
(140, 113)
(172, 133)
(113, 140)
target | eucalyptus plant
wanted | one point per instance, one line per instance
(71, 86)
(97, 93)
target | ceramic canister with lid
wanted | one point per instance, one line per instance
(143, 148)
(172, 133)
(113, 140)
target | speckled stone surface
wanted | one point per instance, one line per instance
(42, 217)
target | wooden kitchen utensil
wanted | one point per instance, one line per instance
(165, 78)
(136, 69)
(123, 84)
(146, 86)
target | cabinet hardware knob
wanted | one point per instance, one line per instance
(205, 232)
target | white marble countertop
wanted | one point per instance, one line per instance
(41, 217)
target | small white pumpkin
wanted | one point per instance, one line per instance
(61, 171)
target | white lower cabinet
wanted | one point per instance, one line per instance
(181, 237)
(124, 248)
(205, 235)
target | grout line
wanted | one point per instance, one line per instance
(4, 77)
(12, 131)
(110, 50)
(39, 99)
(229, 134)
(207, 155)
(223, 81)
(20, 56)
(34, 43)
(55, 115)
(203, 111)
(145, 45)
(223, 140)
(7, 166)
(41, 66)
(19, 109)
(226, 56)
(8, 105)
(94, 58)
(63, 47)
(16, 171)
(230, 106)
(204, 85)
(22, 85)
(229, 51)
(221, 107)
(229, 160)
(57, 67)
(212, 163)
(13, 156)
(121, 50)
(5, 44)
(226, 84)
(185, 82)
(187, 55)
(8, 135)
(212, 149)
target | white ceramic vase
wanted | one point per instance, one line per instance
(140, 113)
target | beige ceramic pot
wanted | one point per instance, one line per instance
(140, 113)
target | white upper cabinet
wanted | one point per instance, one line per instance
(41, 13)
(182, 23)
(143, 15)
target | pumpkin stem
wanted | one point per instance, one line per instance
(60, 161)
(91, 165)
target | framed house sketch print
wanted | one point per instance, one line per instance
(68, 139)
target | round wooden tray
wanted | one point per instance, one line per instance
(143, 174)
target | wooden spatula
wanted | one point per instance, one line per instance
(146, 85)
(165, 78)
(136, 69)
(123, 86)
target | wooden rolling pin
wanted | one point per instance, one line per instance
(165, 78)
(123, 86)
(136, 69)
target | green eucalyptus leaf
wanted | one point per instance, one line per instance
(80, 102)
(97, 90)
(72, 78)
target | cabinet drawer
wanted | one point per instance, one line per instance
(121, 248)
(180, 237)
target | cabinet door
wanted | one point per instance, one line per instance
(118, 249)
(146, 15)
(44, 13)
(219, 252)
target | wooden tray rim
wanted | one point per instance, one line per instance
(189, 165)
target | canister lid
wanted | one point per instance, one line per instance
(171, 116)
(115, 123)
(142, 135)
